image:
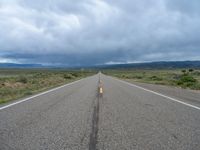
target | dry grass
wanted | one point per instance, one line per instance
(175, 77)
(15, 84)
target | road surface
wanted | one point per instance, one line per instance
(124, 117)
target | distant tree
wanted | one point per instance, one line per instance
(184, 71)
(191, 70)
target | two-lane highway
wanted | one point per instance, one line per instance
(77, 116)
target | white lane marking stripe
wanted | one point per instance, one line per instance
(162, 95)
(43, 93)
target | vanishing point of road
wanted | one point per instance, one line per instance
(103, 113)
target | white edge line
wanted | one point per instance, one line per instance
(40, 94)
(159, 94)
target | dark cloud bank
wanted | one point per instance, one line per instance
(86, 32)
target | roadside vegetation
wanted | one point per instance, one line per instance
(184, 78)
(18, 83)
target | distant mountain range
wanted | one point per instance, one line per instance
(154, 65)
(149, 65)
(14, 65)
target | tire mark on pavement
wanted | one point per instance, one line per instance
(95, 119)
(95, 122)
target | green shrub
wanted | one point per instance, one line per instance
(188, 78)
(75, 74)
(68, 76)
(187, 81)
(125, 76)
(138, 77)
(22, 79)
(191, 70)
(184, 71)
(155, 78)
(28, 93)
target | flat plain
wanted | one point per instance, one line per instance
(183, 78)
(18, 83)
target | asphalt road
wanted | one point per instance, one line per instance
(124, 117)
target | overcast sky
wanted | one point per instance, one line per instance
(88, 32)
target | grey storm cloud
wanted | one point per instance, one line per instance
(86, 32)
